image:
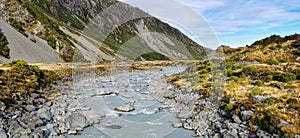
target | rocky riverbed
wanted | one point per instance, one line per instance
(121, 104)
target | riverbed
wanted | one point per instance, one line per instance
(138, 89)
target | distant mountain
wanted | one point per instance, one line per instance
(68, 28)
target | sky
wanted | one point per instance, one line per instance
(234, 23)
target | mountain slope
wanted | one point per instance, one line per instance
(22, 48)
(144, 38)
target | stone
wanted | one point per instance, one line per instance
(76, 121)
(236, 119)
(169, 95)
(230, 134)
(105, 93)
(127, 96)
(30, 107)
(280, 86)
(114, 127)
(45, 115)
(259, 98)
(246, 115)
(125, 108)
(41, 100)
(72, 132)
(2, 133)
(217, 135)
(184, 114)
(177, 125)
(187, 126)
(283, 123)
(49, 104)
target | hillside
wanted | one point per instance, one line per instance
(268, 50)
(22, 48)
(262, 85)
(66, 26)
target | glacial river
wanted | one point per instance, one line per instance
(136, 88)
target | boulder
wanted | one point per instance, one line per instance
(236, 119)
(30, 107)
(259, 98)
(246, 115)
(2, 133)
(184, 114)
(177, 125)
(125, 108)
(76, 121)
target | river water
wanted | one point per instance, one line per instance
(138, 88)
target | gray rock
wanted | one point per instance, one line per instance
(169, 95)
(280, 86)
(104, 93)
(45, 115)
(217, 135)
(49, 104)
(125, 108)
(41, 100)
(30, 107)
(72, 132)
(184, 114)
(177, 125)
(24, 136)
(76, 121)
(230, 134)
(246, 115)
(236, 119)
(2, 133)
(187, 126)
(283, 123)
(259, 98)
(114, 127)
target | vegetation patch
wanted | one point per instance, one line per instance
(4, 49)
(18, 26)
(24, 79)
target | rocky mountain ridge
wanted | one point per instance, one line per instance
(65, 26)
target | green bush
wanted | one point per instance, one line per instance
(18, 26)
(255, 92)
(51, 41)
(269, 40)
(267, 122)
(284, 77)
(234, 78)
(258, 83)
(281, 60)
(4, 49)
(273, 62)
(297, 52)
(229, 107)
(292, 101)
(296, 44)
(297, 73)
(251, 71)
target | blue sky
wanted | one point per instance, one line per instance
(235, 23)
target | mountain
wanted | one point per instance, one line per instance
(92, 30)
